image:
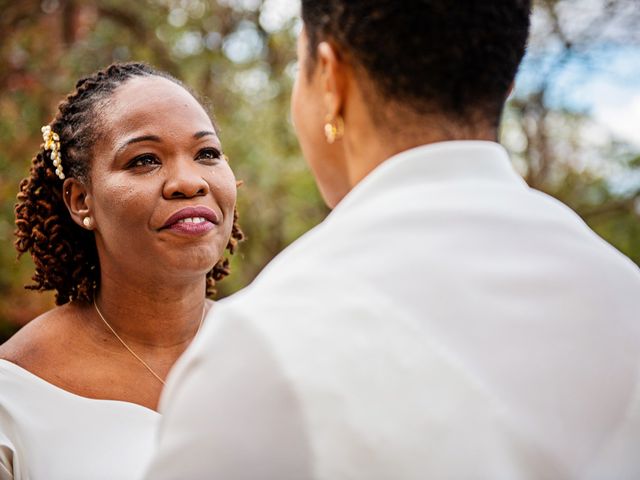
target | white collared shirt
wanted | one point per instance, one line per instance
(444, 322)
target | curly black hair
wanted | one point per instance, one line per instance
(430, 56)
(65, 255)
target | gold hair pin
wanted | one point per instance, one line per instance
(52, 143)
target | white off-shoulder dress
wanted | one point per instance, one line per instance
(49, 433)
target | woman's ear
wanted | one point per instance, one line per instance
(333, 72)
(78, 202)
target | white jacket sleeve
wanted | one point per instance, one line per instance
(228, 413)
(7, 455)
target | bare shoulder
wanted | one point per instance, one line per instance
(40, 338)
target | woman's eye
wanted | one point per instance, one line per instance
(144, 161)
(209, 155)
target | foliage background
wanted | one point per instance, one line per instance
(240, 56)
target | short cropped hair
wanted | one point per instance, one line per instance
(430, 56)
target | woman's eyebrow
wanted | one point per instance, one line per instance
(143, 138)
(203, 133)
(155, 138)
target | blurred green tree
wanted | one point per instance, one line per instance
(554, 140)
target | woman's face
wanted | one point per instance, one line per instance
(162, 195)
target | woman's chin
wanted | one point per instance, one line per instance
(191, 263)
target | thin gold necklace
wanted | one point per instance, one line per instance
(129, 348)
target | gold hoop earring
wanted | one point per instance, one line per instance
(334, 128)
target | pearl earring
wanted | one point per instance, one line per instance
(86, 221)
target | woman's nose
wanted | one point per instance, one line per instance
(185, 180)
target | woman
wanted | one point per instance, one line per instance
(127, 211)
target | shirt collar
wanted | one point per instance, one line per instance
(439, 162)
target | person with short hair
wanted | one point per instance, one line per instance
(445, 321)
(127, 212)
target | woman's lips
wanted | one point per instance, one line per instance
(196, 220)
(192, 228)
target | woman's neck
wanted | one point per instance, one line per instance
(152, 315)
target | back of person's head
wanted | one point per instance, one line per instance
(427, 57)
